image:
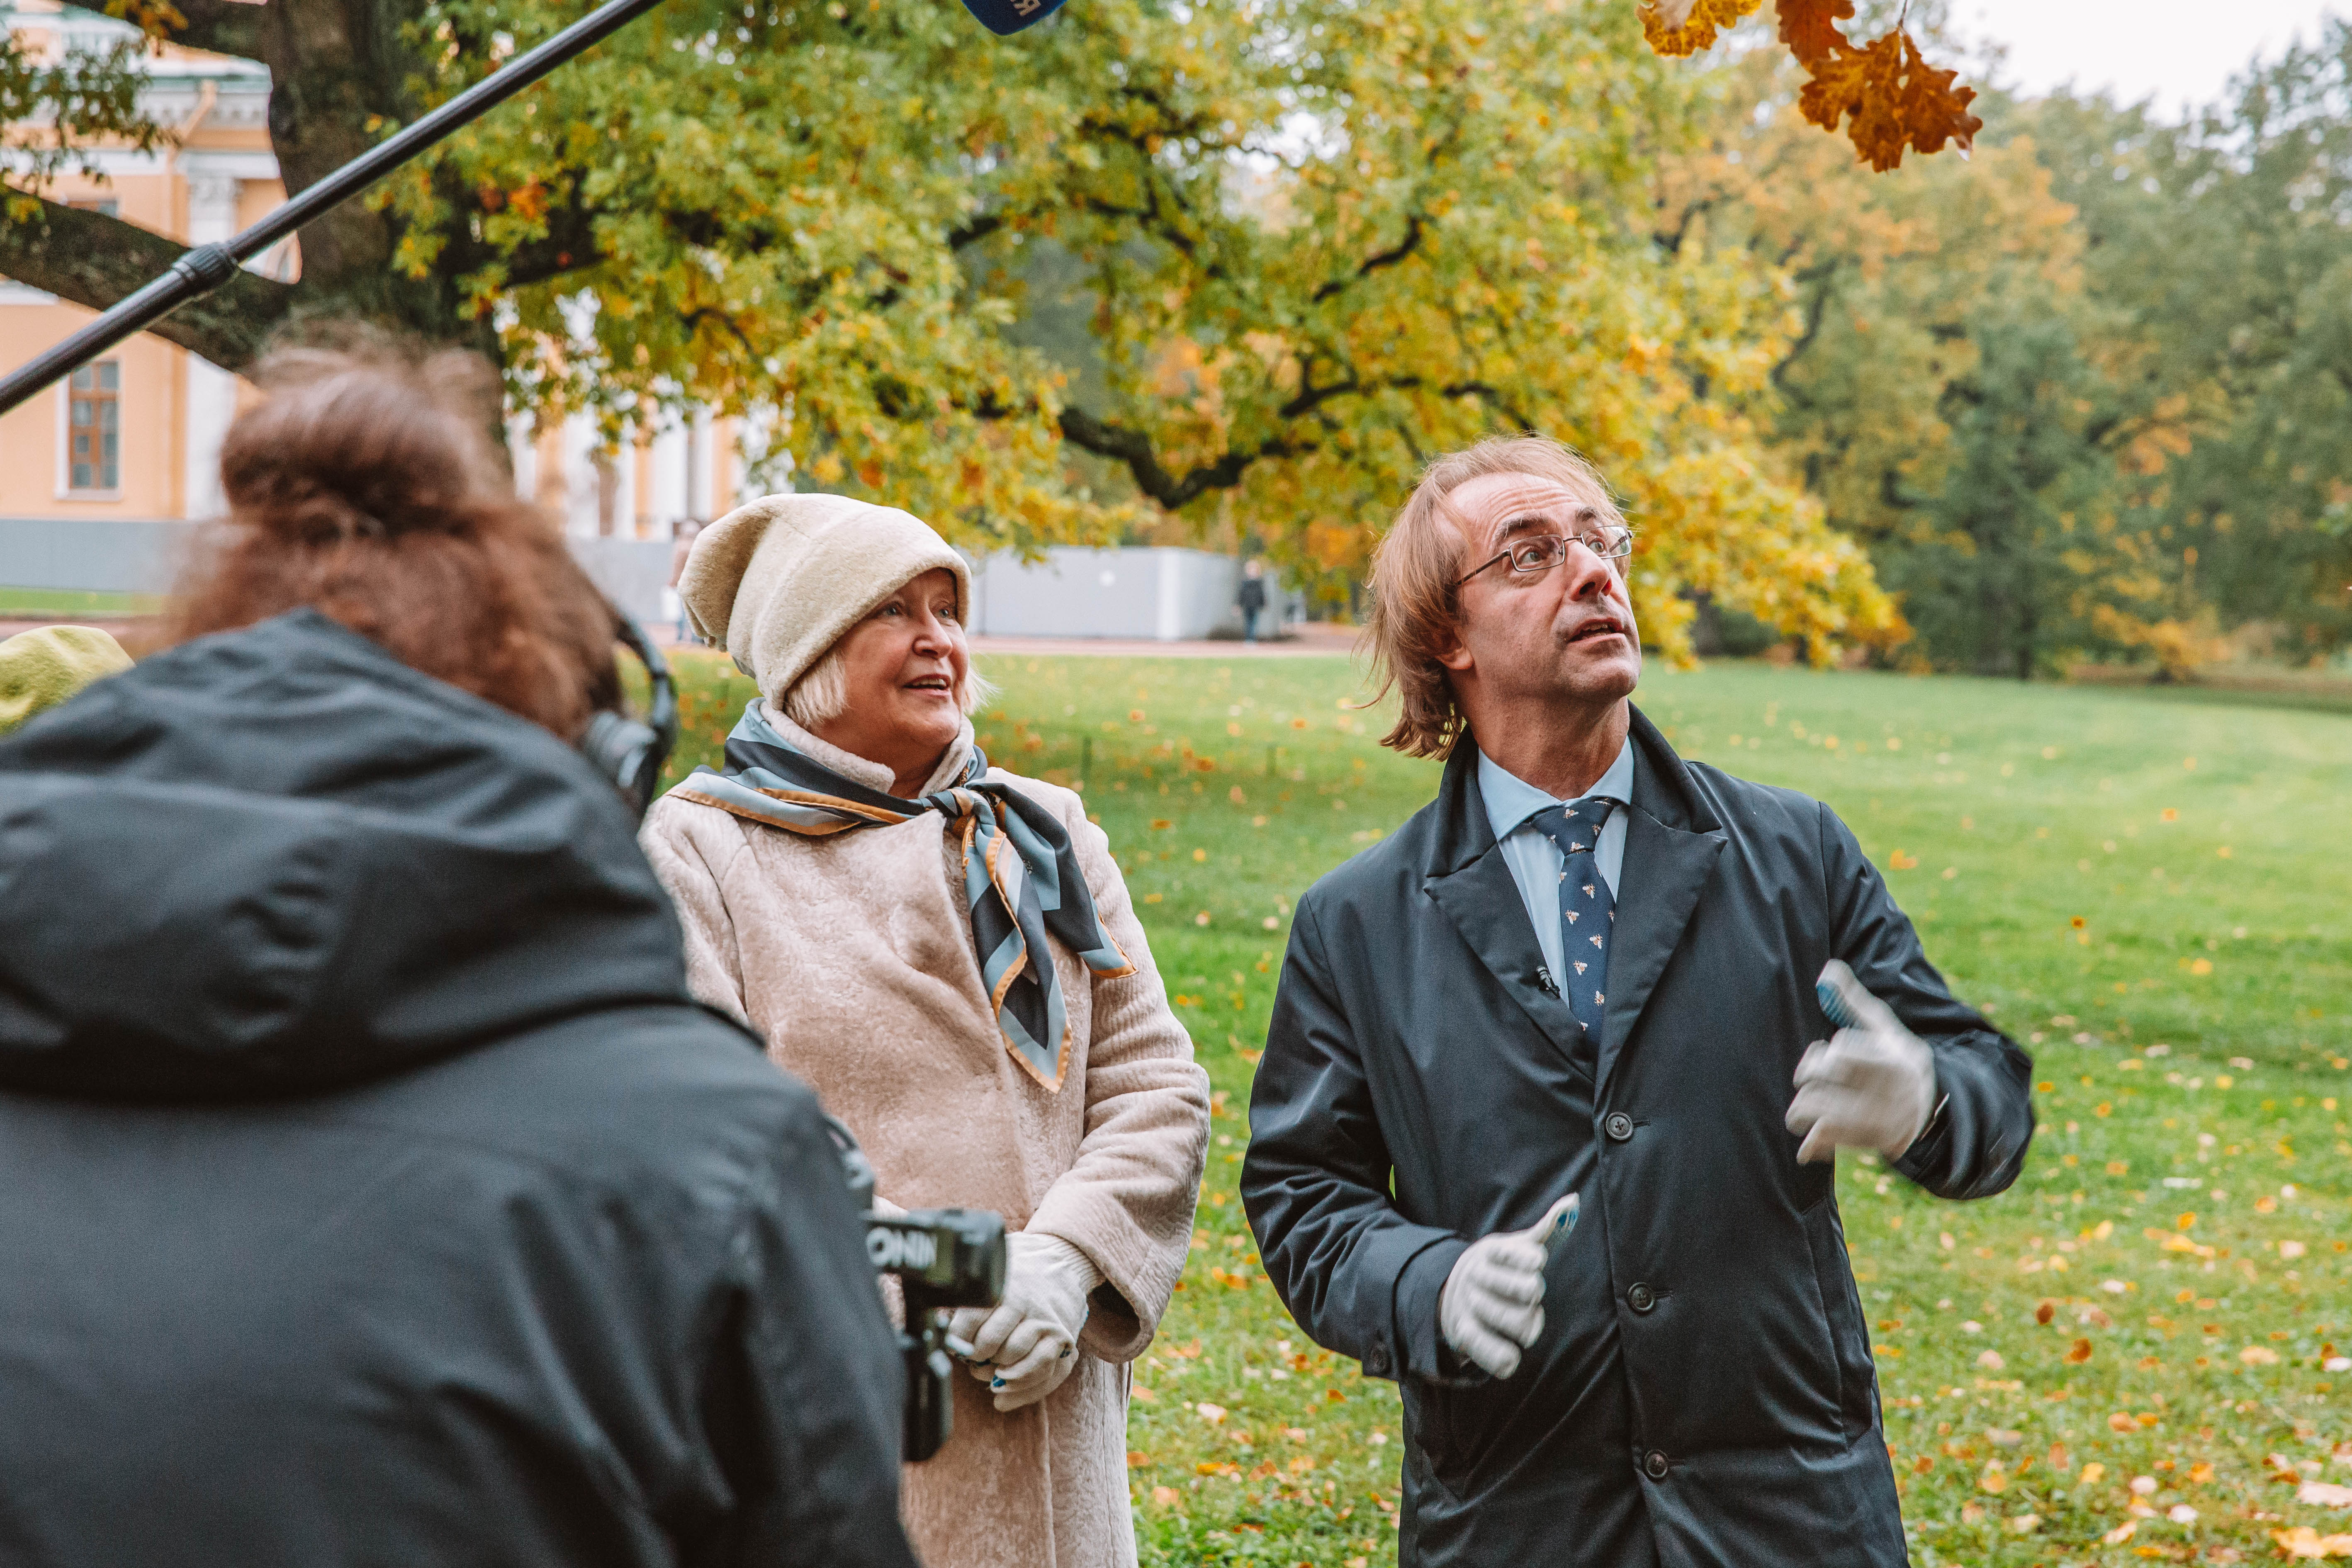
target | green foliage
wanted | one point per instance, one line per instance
(1994, 569)
(2210, 933)
(1320, 242)
(2085, 396)
(60, 108)
(2224, 240)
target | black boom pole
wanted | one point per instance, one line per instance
(208, 267)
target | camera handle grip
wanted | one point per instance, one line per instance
(928, 1416)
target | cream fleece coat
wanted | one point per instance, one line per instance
(853, 956)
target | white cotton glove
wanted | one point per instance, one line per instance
(1492, 1305)
(1025, 1345)
(1872, 1084)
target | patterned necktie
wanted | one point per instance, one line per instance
(1587, 913)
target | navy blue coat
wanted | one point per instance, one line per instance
(1703, 1390)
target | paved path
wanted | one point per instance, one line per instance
(1315, 638)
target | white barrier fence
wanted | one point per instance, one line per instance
(1156, 593)
(110, 555)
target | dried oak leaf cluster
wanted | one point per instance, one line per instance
(1885, 92)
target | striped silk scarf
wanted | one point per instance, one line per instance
(1021, 880)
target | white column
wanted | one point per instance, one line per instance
(700, 465)
(671, 479)
(212, 391)
(580, 476)
(522, 454)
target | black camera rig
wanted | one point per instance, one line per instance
(943, 1258)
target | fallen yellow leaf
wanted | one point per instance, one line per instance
(2305, 1541)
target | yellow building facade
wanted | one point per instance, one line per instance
(137, 434)
(136, 437)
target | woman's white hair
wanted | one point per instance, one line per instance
(823, 694)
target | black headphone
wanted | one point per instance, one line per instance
(629, 751)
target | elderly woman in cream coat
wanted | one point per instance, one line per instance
(947, 953)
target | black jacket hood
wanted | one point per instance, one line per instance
(278, 860)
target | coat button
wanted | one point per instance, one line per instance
(1619, 1126)
(1640, 1298)
(1654, 1463)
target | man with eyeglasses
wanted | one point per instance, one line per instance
(1547, 1122)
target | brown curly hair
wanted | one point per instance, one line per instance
(1415, 604)
(365, 485)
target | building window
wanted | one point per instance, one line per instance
(94, 429)
(105, 207)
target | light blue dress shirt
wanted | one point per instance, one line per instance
(1534, 858)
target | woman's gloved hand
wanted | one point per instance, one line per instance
(1023, 1347)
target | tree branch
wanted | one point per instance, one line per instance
(96, 261)
(1411, 242)
(978, 229)
(1133, 449)
(1816, 310)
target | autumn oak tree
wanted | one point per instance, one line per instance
(1885, 91)
(1321, 241)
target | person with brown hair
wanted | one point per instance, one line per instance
(376, 1191)
(366, 490)
(1581, 982)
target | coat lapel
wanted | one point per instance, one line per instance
(1672, 844)
(1468, 879)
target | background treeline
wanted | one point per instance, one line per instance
(1163, 271)
(2086, 395)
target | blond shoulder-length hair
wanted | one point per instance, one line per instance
(1416, 607)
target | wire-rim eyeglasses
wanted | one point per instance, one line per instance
(1542, 552)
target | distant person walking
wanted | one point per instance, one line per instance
(1252, 599)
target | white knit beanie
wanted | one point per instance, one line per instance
(778, 580)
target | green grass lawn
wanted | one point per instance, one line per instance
(2125, 1357)
(30, 604)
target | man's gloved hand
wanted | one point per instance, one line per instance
(1492, 1305)
(1872, 1084)
(1025, 1345)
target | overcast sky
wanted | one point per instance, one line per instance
(2179, 51)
